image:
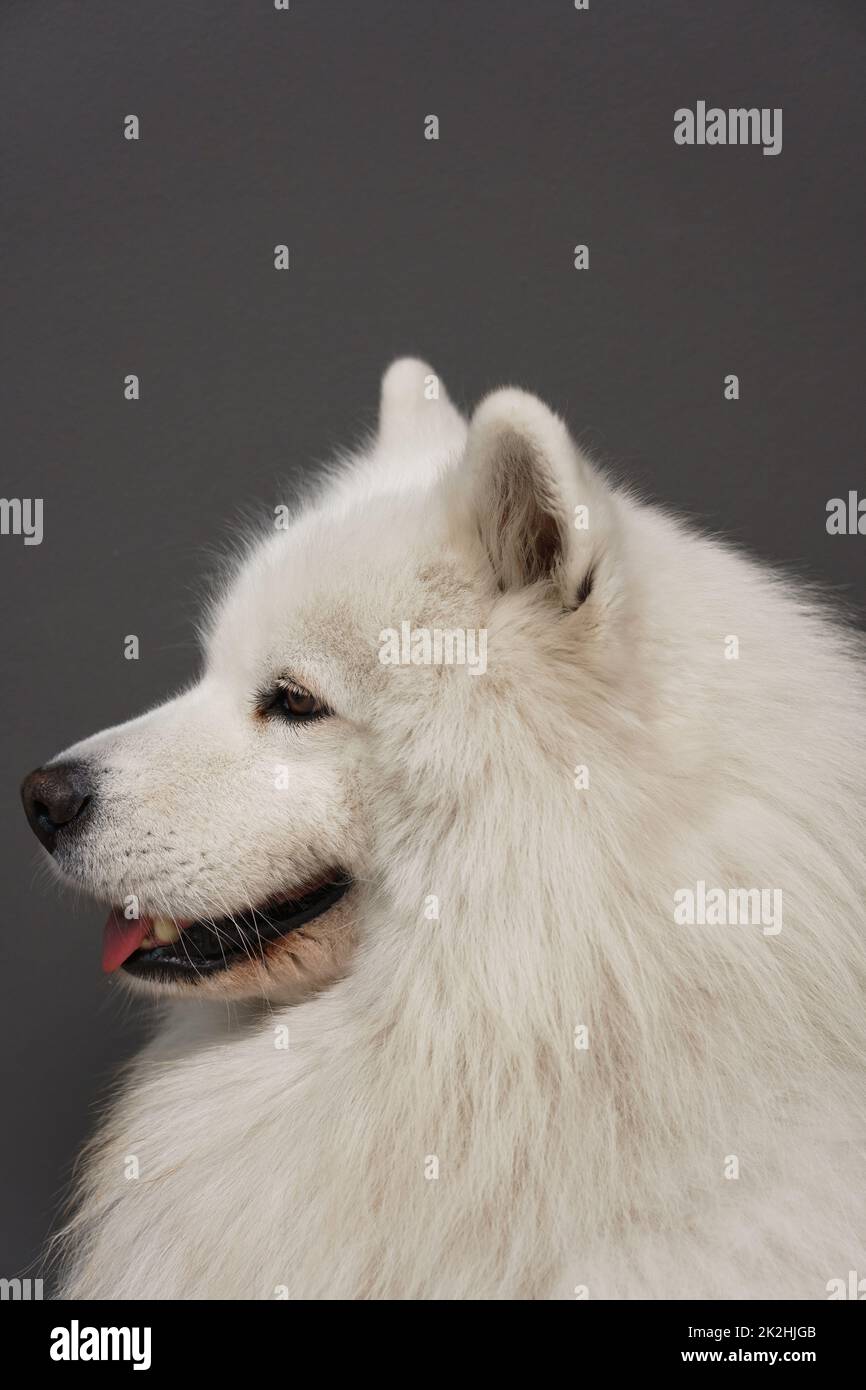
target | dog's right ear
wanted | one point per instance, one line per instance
(415, 409)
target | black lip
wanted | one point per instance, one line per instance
(206, 948)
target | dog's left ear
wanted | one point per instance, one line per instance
(542, 511)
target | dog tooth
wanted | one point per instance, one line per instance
(165, 930)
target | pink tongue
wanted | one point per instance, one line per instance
(121, 938)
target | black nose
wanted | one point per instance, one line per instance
(55, 798)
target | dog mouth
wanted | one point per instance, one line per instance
(182, 950)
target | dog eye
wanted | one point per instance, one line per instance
(298, 705)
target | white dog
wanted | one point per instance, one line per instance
(472, 986)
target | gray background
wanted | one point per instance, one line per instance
(306, 127)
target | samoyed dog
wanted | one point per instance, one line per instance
(501, 882)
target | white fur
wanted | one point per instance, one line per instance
(267, 1172)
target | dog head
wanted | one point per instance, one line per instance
(234, 830)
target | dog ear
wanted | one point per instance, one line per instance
(415, 409)
(541, 509)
